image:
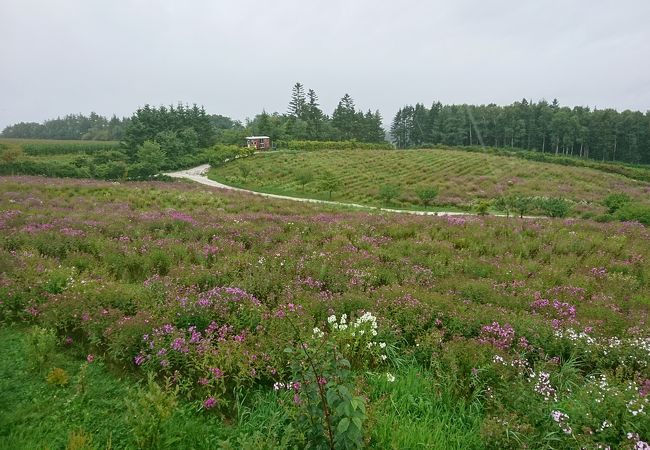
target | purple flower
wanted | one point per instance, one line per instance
(138, 360)
(210, 403)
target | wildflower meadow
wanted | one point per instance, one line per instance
(171, 315)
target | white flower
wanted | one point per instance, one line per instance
(318, 333)
(390, 377)
(382, 345)
(331, 319)
(383, 357)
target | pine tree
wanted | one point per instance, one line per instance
(344, 118)
(298, 102)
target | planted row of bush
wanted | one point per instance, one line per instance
(333, 145)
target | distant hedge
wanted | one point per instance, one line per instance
(333, 145)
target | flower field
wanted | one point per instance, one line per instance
(462, 178)
(169, 315)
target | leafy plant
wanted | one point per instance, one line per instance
(388, 192)
(40, 343)
(150, 408)
(58, 376)
(616, 201)
(427, 194)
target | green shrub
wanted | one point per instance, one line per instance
(388, 192)
(615, 201)
(634, 212)
(554, 206)
(40, 346)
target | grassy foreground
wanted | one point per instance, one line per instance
(462, 178)
(153, 315)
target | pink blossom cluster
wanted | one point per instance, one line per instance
(497, 335)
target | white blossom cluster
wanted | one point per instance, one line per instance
(607, 345)
(363, 328)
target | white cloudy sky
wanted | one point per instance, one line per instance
(237, 57)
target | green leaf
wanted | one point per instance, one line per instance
(331, 396)
(343, 426)
(357, 422)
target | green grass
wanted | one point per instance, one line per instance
(419, 411)
(37, 415)
(463, 178)
(416, 411)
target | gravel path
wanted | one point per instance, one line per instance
(198, 174)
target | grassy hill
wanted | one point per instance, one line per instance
(463, 178)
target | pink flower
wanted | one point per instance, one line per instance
(90, 358)
(210, 403)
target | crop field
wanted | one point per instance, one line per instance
(49, 147)
(169, 315)
(462, 178)
(61, 158)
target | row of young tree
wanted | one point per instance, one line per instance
(72, 126)
(602, 134)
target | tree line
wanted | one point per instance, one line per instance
(306, 121)
(303, 121)
(72, 126)
(601, 134)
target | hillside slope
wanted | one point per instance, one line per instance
(463, 178)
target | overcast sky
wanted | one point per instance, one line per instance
(237, 57)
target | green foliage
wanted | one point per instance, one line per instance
(482, 207)
(150, 409)
(329, 183)
(522, 205)
(58, 376)
(71, 126)
(330, 415)
(40, 346)
(333, 145)
(461, 178)
(388, 192)
(634, 212)
(427, 194)
(481, 327)
(9, 155)
(304, 177)
(603, 134)
(181, 126)
(151, 158)
(616, 201)
(555, 206)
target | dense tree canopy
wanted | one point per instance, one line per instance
(603, 134)
(306, 121)
(72, 126)
(191, 125)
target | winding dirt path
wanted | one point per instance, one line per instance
(198, 174)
